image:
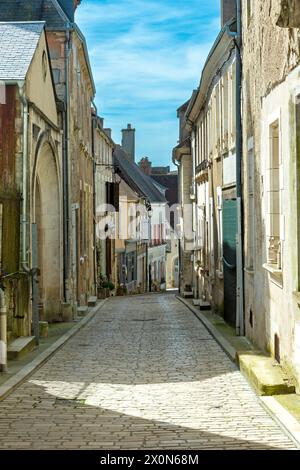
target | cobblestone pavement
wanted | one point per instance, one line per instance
(143, 374)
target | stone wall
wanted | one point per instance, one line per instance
(267, 95)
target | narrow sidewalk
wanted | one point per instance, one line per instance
(59, 334)
(285, 407)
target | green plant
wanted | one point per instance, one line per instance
(108, 285)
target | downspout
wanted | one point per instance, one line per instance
(33, 273)
(3, 332)
(66, 215)
(94, 120)
(240, 323)
(179, 241)
(24, 100)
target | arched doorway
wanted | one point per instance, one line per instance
(48, 221)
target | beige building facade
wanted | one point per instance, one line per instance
(207, 175)
(30, 186)
(106, 205)
(271, 178)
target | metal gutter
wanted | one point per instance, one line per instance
(239, 189)
(240, 321)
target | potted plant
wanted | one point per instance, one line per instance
(103, 290)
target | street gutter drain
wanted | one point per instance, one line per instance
(69, 402)
(144, 319)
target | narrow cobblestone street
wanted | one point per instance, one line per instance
(143, 374)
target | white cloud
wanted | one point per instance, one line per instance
(147, 58)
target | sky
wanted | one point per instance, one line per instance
(147, 57)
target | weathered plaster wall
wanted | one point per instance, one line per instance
(267, 91)
(39, 86)
(81, 282)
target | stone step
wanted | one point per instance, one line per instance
(265, 374)
(20, 346)
(10, 337)
(204, 305)
(92, 301)
(44, 329)
(196, 302)
(82, 311)
(187, 295)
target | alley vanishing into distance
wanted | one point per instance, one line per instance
(142, 374)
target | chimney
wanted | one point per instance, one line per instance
(228, 11)
(107, 132)
(146, 166)
(69, 7)
(128, 142)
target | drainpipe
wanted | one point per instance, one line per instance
(24, 100)
(24, 261)
(179, 241)
(94, 121)
(240, 323)
(66, 214)
(3, 334)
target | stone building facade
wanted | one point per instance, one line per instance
(210, 119)
(75, 91)
(31, 182)
(182, 158)
(271, 177)
(106, 204)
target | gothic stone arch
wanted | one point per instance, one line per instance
(47, 216)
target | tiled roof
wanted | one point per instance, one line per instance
(33, 10)
(18, 42)
(135, 178)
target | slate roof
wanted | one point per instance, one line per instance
(18, 43)
(135, 178)
(33, 10)
(50, 11)
(170, 182)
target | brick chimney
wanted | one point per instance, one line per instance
(69, 7)
(128, 141)
(228, 11)
(146, 166)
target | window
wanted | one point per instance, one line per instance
(297, 142)
(274, 218)
(251, 210)
(220, 229)
(218, 119)
(249, 11)
(225, 111)
(44, 65)
(233, 104)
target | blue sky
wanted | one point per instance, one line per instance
(147, 58)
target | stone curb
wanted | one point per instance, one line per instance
(11, 384)
(283, 418)
(225, 345)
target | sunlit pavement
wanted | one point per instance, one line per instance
(143, 374)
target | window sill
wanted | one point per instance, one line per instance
(249, 271)
(296, 295)
(272, 269)
(275, 273)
